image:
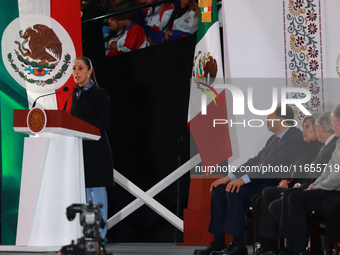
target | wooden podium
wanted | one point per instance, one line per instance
(52, 175)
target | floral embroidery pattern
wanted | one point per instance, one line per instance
(314, 89)
(313, 53)
(315, 101)
(337, 65)
(311, 16)
(303, 52)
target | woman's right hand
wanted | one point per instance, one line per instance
(113, 44)
(168, 34)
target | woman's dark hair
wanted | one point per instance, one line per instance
(177, 12)
(122, 6)
(153, 11)
(88, 63)
(312, 118)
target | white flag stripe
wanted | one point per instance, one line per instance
(215, 51)
(27, 7)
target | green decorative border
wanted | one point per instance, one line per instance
(49, 81)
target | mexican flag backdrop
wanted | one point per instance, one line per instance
(39, 41)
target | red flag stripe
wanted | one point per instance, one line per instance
(67, 13)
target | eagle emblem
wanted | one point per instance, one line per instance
(204, 72)
(39, 54)
(204, 68)
(36, 120)
(40, 39)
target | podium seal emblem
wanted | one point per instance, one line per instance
(36, 120)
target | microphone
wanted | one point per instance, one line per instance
(74, 91)
(35, 101)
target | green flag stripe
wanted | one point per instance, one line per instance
(204, 26)
(11, 164)
(8, 13)
(12, 96)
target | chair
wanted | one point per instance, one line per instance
(316, 229)
(252, 225)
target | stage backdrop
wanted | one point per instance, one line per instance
(279, 44)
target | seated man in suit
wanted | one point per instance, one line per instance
(271, 196)
(297, 205)
(231, 195)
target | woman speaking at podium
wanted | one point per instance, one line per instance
(92, 104)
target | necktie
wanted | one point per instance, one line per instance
(270, 151)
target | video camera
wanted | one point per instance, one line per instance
(91, 220)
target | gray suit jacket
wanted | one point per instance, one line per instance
(330, 178)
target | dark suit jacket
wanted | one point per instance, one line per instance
(308, 154)
(284, 154)
(323, 158)
(271, 198)
(93, 106)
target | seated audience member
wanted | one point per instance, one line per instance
(132, 37)
(155, 20)
(107, 33)
(331, 210)
(151, 15)
(114, 35)
(231, 195)
(166, 12)
(299, 204)
(320, 143)
(183, 20)
(325, 133)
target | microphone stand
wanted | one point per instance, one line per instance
(74, 91)
(35, 101)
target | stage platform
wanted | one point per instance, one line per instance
(129, 249)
